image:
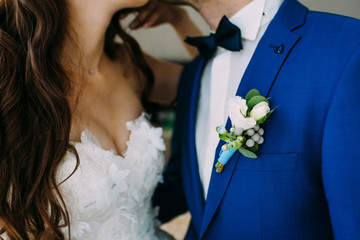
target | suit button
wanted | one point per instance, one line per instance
(279, 49)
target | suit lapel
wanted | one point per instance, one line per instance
(193, 185)
(261, 74)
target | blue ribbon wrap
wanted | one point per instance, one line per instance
(224, 156)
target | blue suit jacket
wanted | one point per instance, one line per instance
(305, 183)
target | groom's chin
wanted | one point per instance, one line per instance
(176, 2)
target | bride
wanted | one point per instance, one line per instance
(78, 156)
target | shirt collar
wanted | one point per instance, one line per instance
(254, 15)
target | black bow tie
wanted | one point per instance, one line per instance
(227, 36)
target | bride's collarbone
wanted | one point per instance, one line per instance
(111, 90)
(104, 112)
(112, 85)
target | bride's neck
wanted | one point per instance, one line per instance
(84, 47)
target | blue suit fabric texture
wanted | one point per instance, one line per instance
(305, 183)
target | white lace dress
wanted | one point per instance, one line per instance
(109, 196)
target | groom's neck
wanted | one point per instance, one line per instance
(214, 10)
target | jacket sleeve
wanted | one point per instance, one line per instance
(341, 153)
(169, 195)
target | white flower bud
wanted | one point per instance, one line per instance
(232, 129)
(224, 147)
(240, 138)
(250, 132)
(261, 131)
(256, 127)
(250, 143)
(256, 137)
(260, 110)
(237, 144)
(261, 140)
(221, 129)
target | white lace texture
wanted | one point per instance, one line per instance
(109, 196)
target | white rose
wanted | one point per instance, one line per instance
(237, 111)
(237, 104)
(260, 110)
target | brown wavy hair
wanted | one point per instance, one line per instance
(35, 117)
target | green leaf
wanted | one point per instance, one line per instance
(247, 153)
(267, 115)
(224, 137)
(255, 100)
(263, 119)
(252, 93)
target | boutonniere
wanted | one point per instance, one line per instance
(246, 133)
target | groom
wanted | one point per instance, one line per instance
(305, 183)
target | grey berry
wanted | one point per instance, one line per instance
(250, 132)
(238, 131)
(250, 143)
(261, 131)
(256, 137)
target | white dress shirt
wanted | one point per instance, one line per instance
(221, 78)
